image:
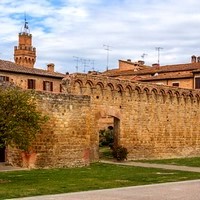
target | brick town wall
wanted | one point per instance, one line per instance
(65, 139)
(153, 121)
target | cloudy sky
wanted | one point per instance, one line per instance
(71, 33)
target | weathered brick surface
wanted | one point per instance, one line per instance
(152, 121)
(65, 139)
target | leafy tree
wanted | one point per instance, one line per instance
(19, 119)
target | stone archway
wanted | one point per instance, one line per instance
(108, 113)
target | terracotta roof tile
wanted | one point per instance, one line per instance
(9, 66)
(167, 76)
(156, 69)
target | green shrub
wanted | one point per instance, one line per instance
(106, 137)
(120, 153)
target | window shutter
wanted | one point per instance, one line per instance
(29, 84)
(33, 84)
(197, 83)
(44, 85)
(51, 86)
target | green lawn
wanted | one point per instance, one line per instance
(105, 153)
(97, 176)
(191, 162)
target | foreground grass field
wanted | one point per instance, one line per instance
(191, 162)
(97, 176)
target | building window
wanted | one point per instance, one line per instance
(175, 84)
(47, 86)
(197, 83)
(31, 84)
(4, 78)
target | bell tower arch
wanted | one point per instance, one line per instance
(25, 53)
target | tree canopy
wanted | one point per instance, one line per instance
(20, 120)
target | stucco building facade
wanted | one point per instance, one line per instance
(179, 75)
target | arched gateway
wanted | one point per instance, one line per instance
(151, 121)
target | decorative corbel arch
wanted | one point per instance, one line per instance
(197, 96)
(78, 85)
(111, 86)
(138, 89)
(162, 93)
(120, 89)
(154, 93)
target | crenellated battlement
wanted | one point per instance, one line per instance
(28, 48)
(86, 84)
(151, 121)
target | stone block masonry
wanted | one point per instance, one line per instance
(65, 137)
(151, 121)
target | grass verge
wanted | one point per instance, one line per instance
(190, 162)
(105, 153)
(97, 176)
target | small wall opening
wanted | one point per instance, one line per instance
(109, 129)
(2, 152)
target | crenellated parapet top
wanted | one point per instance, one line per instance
(28, 48)
(82, 81)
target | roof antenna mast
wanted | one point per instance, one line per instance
(143, 56)
(107, 48)
(158, 49)
(26, 28)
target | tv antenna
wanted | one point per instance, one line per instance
(107, 48)
(77, 59)
(92, 62)
(143, 56)
(158, 49)
(84, 61)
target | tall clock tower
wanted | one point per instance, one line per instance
(25, 53)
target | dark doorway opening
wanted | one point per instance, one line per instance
(108, 136)
(2, 154)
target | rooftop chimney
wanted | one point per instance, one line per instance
(198, 59)
(193, 59)
(141, 62)
(155, 65)
(50, 67)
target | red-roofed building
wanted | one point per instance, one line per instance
(178, 75)
(23, 73)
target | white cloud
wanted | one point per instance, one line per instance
(79, 28)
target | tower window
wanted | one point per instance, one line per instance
(31, 84)
(47, 86)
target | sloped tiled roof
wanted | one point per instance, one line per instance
(9, 66)
(156, 69)
(167, 76)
